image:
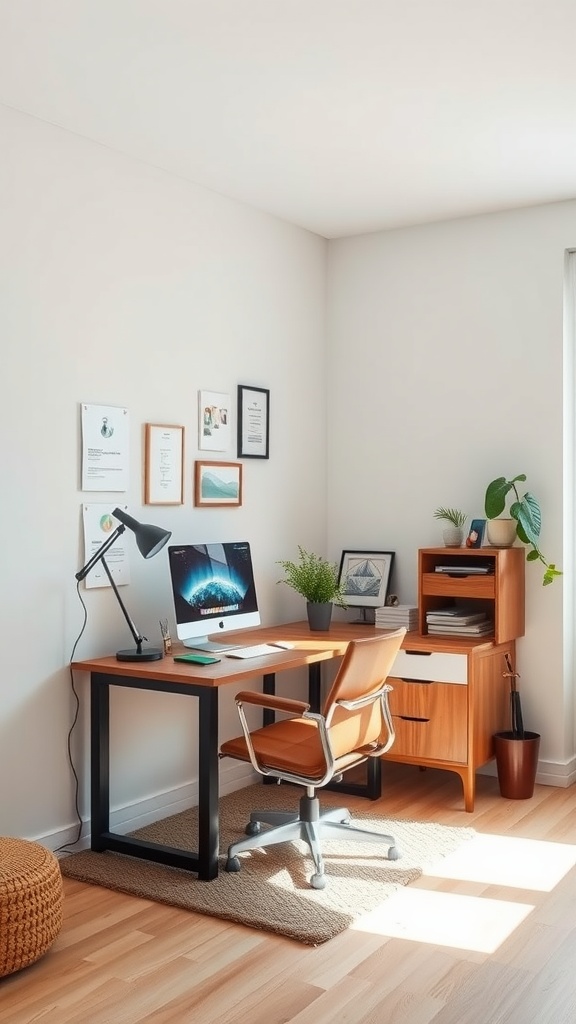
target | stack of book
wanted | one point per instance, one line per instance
(458, 621)
(394, 616)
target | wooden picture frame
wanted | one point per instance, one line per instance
(365, 576)
(253, 417)
(217, 484)
(163, 464)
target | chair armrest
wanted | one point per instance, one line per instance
(272, 703)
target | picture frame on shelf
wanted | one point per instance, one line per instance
(163, 464)
(217, 484)
(253, 417)
(475, 537)
(365, 577)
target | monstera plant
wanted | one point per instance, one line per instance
(525, 511)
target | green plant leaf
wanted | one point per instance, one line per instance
(315, 577)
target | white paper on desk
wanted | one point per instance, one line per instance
(105, 439)
(99, 523)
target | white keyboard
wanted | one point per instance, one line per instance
(257, 651)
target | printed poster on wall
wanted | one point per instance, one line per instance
(105, 439)
(99, 524)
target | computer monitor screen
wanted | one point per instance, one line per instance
(214, 591)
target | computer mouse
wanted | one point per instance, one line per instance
(284, 644)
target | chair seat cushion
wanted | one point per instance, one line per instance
(293, 746)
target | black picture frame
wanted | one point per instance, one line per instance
(253, 418)
(365, 576)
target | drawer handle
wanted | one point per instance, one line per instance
(412, 718)
(419, 654)
(423, 682)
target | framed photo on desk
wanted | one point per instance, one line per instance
(365, 577)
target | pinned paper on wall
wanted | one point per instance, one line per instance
(99, 524)
(105, 438)
(213, 421)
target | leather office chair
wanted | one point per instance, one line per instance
(309, 749)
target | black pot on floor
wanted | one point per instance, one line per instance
(516, 762)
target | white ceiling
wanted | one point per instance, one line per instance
(342, 116)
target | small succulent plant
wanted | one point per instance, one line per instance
(451, 515)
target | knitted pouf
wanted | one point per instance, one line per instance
(30, 902)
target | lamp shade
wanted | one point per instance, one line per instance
(149, 539)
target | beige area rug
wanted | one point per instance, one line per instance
(271, 892)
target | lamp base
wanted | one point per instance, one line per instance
(146, 654)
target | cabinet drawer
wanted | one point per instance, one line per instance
(420, 738)
(434, 666)
(443, 585)
(430, 719)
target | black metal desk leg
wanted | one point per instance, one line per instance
(208, 823)
(99, 759)
(315, 686)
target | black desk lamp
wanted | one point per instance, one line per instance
(150, 540)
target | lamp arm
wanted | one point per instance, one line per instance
(137, 637)
(82, 574)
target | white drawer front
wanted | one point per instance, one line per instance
(436, 667)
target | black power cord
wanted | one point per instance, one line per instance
(67, 846)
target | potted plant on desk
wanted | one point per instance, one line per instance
(316, 579)
(516, 749)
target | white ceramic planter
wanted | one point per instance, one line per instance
(453, 536)
(501, 533)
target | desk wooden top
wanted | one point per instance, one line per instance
(309, 647)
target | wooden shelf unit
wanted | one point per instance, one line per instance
(449, 694)
(501, 593)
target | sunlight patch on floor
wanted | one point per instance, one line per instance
(445, 919)
(505, 860)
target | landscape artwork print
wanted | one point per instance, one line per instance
(218, 483)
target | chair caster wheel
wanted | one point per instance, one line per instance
(252, 828)
(394, 853)
(233, 864)
(318, 881)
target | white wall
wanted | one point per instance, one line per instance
(446, 371)
(121, 285)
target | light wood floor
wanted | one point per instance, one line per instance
(489, 938)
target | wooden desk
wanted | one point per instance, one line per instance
(203, 682)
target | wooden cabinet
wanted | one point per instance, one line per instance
(449, 695)
(500, 592)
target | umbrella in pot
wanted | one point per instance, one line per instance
(516, 722)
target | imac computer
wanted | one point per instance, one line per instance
(214, 591)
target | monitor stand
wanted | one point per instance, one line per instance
(367, 617)
(202, 643)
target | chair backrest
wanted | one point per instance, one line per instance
(364, 669)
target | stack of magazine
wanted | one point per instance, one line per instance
(458, 620)
(394, 616)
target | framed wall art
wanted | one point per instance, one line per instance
(253, 422)
(217, 483)
(365, 576)
(213, 421)
(163, 464)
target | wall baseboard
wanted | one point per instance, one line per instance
(143, 812)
